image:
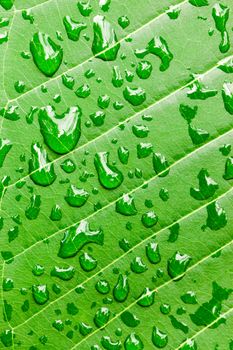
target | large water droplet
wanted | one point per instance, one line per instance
(121, 289)
(126, 206)
(73, 28)
(46, 53)
(40, 293)
(104, 39)
(102, 317)
(109, 176)
(76, 197)
(159, 338)
(61, 132)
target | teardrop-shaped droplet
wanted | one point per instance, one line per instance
(109, 176)
(87, 262)
(56, 213)
(152, 253)
(40, 293)
(137, 265)
(126, 206)
(133, 342)
(64, 273)
(33, 210)
(207, 186)
(73, 28)
(68, 81)
(123, 154)
(135, 96)
(227, 96)
(217, 217)
(5, 146)
(129, 319)
(76, 197)
(220, 15)
(46, 53)
(105, 39)
(101, 317)
(159, 338)
(61, 132)
(76, 237)
(121, 289)
(160, 164)
(147, 298)
(117, 79)
(40, 170)
(68, 166)
(178, 264)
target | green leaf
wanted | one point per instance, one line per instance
(116, 221)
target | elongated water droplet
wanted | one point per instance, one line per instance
(64, 273)
(76, 197)
(73, 28)
(121, 289)
(133, 342)
(109, 176)
(42, 172)
(178, 264)
(217, 217)
(5, 146)
(61, 132)
(197, 91)
(46, 53)
(228, 175)
(117, 79)
(152, 253)
(129, 319)
(123, 154)
(207, 186)
(102, 317)
(220, 15)
(159, 338)
(160, 164)
(11, 113)
(227, 96)
(33, 209)
(78, 236)
(104, 39)
(135, 96)
(126, 206)
(40, 293)
(178, 324)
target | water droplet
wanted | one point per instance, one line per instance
(102, 317)
(8, 284)
(98, 118)
(40, 293)
(216, 216)
(144, 149)
(160, 164)
(123, 154)
(220, 15)
(149, 219)
(121, 289)
(58, 325)
(225, 149)
(78, 236)
(123, 21)
(11, 113)
(73, 28)
(46, 53)
(140, 131)
(129, 319)
(68, 166)
(104, 5)
(178, 264)
(68, 81)
(144, 69)
(85, 8)
(33, 209)
(207, 186)
(40, 170)
(61, 132)
(87, 262)
(179, 325)
(173, 12)
(137, 265)
(147, 298)
(103, 101)
(84, 329)
(109, 344)
(188, 113)
(165, 309)
(56, 213)
(189, 345)
(102, 286)
(38, 270)
(109, 176)
(197, 135)
(117, 79)
(159, 338)
(83, 91)
(105, 39)
(199, 3)
(19, 86)
(189, 298)
(226, 65)
(126, 206)
(197, 91)
(133, 342)
(135, 96)
(152, 253)
(26, 14)
(228, 175)
(76, 197)
(64, 273)
(7, 335)
(227, 96)
(5, 146)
